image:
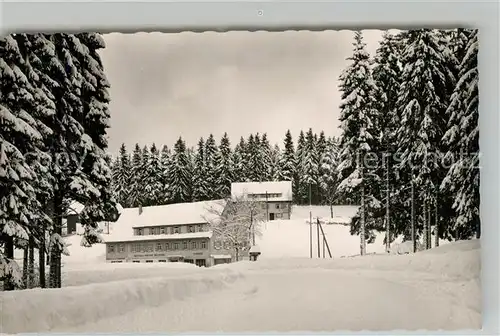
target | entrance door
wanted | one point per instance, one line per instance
(271, 216)
(200, 262)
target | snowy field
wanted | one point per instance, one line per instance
(434, 289)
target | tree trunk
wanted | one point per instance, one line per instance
(429, 224)
(425, 224)
(8, 283)
(436, 222)
(362, 219)
(331, 209)
(31, 263)
(413, 229)
(55, 251)
(25, 266)
(387, 211)
(41, 261)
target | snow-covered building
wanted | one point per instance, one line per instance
(276, 196)
(178, 232)
(71, 219)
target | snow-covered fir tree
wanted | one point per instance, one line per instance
(121, 177)
(211, 165)
(266, 158)
(357, 122)
(287, 163)
(310, 170)
(275, 159)
(300, 198)
(136, 185)
(462, 137)
(422, 103)
(328, 177)
(224, 168)
(180, 178)
(239, 161)
(165, 164)
(200, 185)
(153, 186)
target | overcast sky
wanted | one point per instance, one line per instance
(192, 84)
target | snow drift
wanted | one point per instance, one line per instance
(38, 310)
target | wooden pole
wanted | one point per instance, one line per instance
(324, 237)
(310, 235)
(317, 235)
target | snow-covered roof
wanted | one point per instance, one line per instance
(75, 208)
(130, 238)
(162, 215)
(283, 188)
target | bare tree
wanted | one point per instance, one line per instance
(236, 222)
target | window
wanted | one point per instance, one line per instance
(167, 246)
(194, 246)
(139, 232)
(149, 261)
(111, 248)
(171, 230)
(185, 245)
(177, 229)
(227, 246)
(277, 206)
(176, 246)
(278, 215)
(122, 248)
(191, 228)
(151, 231)
(159, 246)
(217, 244)
(162, 261)
(149, 247)
(203, 244)
(162, 230)
(200, 228)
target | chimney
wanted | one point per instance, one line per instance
(140, 209)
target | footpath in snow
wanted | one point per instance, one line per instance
(436, 289)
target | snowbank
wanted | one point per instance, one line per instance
(38, 310)
(455, 260)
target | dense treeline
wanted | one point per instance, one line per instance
(53, 121)
(410, 143)
(149, 176)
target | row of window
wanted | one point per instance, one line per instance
(159, 247)
(265, 195)
(169, 230)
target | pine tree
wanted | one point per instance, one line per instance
(422, 104)
(320, 148)
(310, 169)
(266, 159)
(387, 75)
(165, 164)
(210, 164)
(121, 177)
(357, 117)
(200, 186)
(300, 198)
(275, 159)
(136, 185)
(328, 175)
(462, 137)
(153, 186)
(179, 174)
(239, 162)
(224, 168)
(287, 164)
(19, 135)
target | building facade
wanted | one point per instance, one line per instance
(275, 198)
(169, 233)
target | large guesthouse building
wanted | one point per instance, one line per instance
(274, 197)
(168, 233)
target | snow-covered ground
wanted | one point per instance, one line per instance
(284, 290)
(436, 289)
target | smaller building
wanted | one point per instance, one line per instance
(275, 196)
(71, 219)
